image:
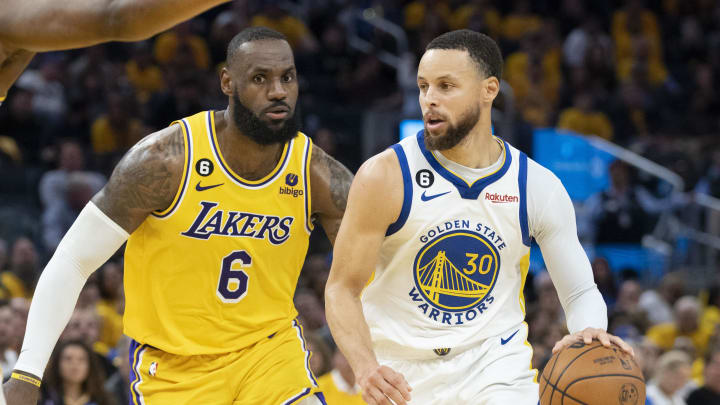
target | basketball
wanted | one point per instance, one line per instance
(592, 374)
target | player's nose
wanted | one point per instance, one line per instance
(277, 91)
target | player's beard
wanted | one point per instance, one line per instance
(454, 134)
(254, 128)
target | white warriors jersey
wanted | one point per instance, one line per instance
(452, 268)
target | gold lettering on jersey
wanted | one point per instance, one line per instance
(238, 224)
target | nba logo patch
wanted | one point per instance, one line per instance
(291, 179)
(153, 369)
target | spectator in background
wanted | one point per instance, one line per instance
(673, 372)
(226, 25)
(686, 324)
(20, 307)
(183, 97)
(169, 45)
(59, 216)
(144, 75)
(70, 159)
(634, 21)
(647, 355)
(626, 317)
(73, 377)
(21, 276)
(49, 101)
(117, 384)
(468, 12)
(620, 214)
(535, 76)
(520, 21)
(310, 309)
(417, 11)
(116, 131)
(579, 42)
(584, 118)
(658, 303)
(273, 16)
(8, 355)
(110, 284)
(709, 393)
(85, 325)
(22, 124)
(339, 386)
(605, 280)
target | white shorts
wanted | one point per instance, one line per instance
(491, 373)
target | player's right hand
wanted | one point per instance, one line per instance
(382, 384)
(20, 392)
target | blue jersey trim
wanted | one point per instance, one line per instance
(466, 191)
(306, 179)
(321, 397)
(407, 191)
(522, 185)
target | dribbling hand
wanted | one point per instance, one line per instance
(382, 384)
(587, 335)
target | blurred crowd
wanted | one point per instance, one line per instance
(641, 73)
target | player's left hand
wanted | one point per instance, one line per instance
(587, 335)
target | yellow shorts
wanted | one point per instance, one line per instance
(273, 371)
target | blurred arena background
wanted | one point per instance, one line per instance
(621, 99)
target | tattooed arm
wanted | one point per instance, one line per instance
(330, 184)
(146, 179)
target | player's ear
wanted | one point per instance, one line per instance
(492, 88)
(226, 84)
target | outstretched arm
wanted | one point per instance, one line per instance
(51, 25)
(374, 203)
(330, 184)
(145, 180)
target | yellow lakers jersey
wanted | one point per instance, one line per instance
(217, 270)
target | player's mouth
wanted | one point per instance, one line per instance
(277, 113)
(434, 122)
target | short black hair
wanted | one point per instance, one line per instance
(249, 35)
(483, 50)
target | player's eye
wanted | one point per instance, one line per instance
(288, 78)
(445, 86)
(258, 79)
(422, 86)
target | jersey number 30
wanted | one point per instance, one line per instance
(233, 283)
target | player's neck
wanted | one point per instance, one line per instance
(249, 159)
(479, 148)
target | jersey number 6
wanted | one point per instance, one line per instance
(233, 283)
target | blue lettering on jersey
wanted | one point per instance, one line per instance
(455, 272)
(239, 224)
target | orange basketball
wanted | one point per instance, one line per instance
(592, 375)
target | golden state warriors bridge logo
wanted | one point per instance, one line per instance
(455, 274)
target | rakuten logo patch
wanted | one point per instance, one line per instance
(501, 198)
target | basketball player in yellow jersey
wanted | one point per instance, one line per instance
(216, 210)
(33, 26)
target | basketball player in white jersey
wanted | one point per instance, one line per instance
(425, 291)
